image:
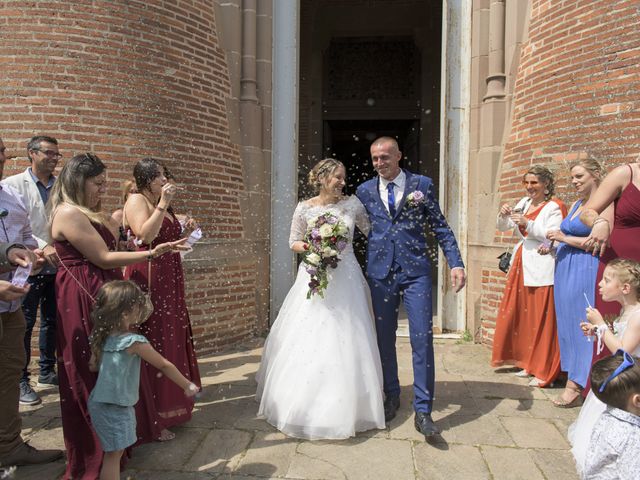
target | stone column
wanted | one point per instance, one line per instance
(248, 78)
(284, 166)
(496, 78)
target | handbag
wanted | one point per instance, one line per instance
(504, 261)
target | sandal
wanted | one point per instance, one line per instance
(166, 435)
(576, 402)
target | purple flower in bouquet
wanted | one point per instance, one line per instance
(326, 237)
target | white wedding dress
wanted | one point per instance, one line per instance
(320, 376)
(580, 431)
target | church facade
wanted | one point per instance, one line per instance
(242, 97)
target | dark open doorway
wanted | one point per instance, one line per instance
(349, 142)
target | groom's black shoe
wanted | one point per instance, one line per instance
(391, 405)
(424, 424)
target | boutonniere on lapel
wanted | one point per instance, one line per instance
(415, 199)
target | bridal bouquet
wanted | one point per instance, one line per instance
(326, 237)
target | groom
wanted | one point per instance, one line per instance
(400, 206)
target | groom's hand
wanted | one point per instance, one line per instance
(458, 279)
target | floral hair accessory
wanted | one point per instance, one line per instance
(415, 199)
(326, 238)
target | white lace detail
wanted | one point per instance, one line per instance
(350, 210)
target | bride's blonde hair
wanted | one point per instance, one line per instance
(322, 170)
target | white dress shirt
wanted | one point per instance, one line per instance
(398, 190)
(14, 228)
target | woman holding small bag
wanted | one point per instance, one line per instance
(525, 332)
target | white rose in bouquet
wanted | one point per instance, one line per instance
(342, 229)
(326, 230)
(329, 252)
(313, 259)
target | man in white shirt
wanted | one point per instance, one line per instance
(15, 230)
(34, 186)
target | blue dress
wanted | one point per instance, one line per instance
(575, 276)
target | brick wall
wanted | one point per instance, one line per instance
(577, 93)
(127, 79)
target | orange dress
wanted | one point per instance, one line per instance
(526, 332)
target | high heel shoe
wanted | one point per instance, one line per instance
(576, 402)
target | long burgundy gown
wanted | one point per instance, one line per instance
(168, 330)
(623, 243)
(84, 454)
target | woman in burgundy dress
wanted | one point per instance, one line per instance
(621, 186)
(152, 221)
(85, 241)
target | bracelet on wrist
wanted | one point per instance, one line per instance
(600, 220)
(150, 256)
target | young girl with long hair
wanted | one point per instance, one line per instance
(620, 283)
(116, 354)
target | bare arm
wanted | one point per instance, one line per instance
(610, 189)
(72, 225)
(145, 221)
(150, 355)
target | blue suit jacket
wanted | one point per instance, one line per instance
(403, 238)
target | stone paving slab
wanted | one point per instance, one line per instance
(494, 426)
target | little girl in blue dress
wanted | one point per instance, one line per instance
(116, 354)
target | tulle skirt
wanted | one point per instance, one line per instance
(320, 376)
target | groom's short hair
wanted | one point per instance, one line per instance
(386, 139)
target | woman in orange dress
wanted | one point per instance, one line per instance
(526, 334)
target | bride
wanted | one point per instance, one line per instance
(320, 376)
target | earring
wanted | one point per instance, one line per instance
(546, 192)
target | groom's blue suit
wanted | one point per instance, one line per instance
(397, 261)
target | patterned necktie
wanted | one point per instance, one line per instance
(391, 196)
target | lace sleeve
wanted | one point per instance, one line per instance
(298, 225)
(362, 218)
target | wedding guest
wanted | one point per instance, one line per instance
(615, 440)
(116, 353)
(17, 234)
(128, 187)
(621, 284)
(575, 283)
(320, 375)
(620, 239)
(34, 186)
(85, 240)
(149, 215)
(526, 329)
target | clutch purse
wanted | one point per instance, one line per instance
(504, 261)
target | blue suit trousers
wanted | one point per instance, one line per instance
(416, 293)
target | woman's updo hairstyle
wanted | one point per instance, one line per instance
(322, 170)
(592, 166)
(546, 177)
(145, 172)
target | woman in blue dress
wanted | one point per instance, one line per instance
(575, 284)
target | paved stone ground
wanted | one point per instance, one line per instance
(494, 427)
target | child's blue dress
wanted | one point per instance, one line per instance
(116, 392)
